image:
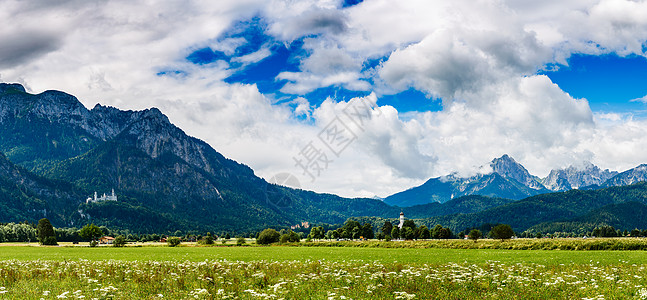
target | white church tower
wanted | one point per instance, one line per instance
(401, 220)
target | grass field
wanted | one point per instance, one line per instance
(281, 272)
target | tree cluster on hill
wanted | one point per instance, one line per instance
(410, 231)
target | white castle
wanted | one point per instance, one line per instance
(111, 197)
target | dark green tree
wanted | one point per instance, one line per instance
(316, 233)
(208, 240)
(387, 228)
(173, 241)
(395, 232)
(435, 232)
(268, 236)
(119, 241)
(474, 235)
(367, 231)
(356, 233)
(46, 234)
(445, 233)
(407, 233)
(502, 232)
(90, 232)
(290, 237)
(424, 233)
(409, 223)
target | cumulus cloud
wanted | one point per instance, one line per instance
(480, 57)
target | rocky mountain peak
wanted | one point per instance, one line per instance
(574, 177)
(507, 167)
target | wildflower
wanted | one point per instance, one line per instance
(642, 294)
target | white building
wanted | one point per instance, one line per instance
(104, 197)
(401, 220)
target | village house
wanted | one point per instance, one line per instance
(106, 240)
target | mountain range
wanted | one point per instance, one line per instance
(510, 179)
(55, 153)
(165, 180)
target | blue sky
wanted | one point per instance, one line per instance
(608, 81)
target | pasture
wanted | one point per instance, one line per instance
(287, 272)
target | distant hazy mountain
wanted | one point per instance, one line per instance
(570, 211)
(509, 179)
(628, 177)
(573, 177)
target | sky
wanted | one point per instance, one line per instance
(357, 98)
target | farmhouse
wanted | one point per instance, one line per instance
(106, 240)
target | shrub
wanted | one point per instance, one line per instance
(240, 241)
(119, 241)
(502, 232)
(208, 240)
(290, 237)
(268, 236)
(173, 241)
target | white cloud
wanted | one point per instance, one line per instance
(254, 57)
(641, 99)
(479, 56)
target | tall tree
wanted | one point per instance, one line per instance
(367, 231)
(395, 233)
(46, 234)
(387, 227)
(424, 233)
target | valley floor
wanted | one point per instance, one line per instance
(282, 272)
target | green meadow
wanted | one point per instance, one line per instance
(292, 272)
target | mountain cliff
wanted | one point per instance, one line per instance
(574, 177)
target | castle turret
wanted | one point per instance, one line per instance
(401, 220)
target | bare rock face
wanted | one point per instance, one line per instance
(628, 177)
(80, 130)
(507, 167)
(577, 177)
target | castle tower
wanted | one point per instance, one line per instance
(95, 196)
(401, 220)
